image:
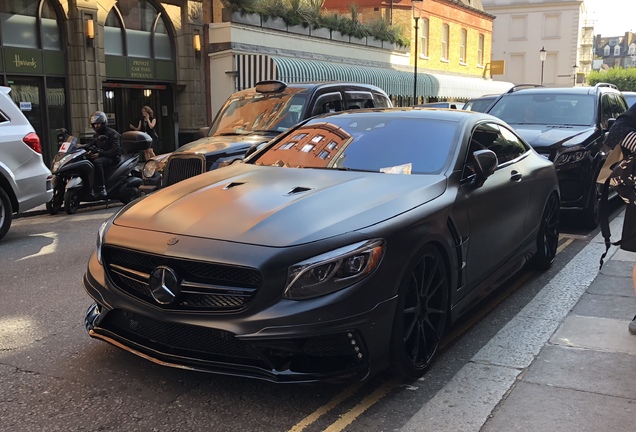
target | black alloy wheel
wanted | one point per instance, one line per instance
(548, 238)
(6, 213)
(421, 314)
(56, 202)
(71, 201)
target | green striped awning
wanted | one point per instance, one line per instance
(393, 82)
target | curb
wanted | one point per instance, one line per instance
(41, 210)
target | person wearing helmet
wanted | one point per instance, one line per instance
(107, 151)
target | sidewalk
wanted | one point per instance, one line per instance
(584, 379)
(566, 362)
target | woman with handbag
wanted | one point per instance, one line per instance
(147, 124)
(623, 133)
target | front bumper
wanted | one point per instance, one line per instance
(313, 347)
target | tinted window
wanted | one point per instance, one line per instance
(480, 105)
(367, 141)
(506, 145)
(559, 109)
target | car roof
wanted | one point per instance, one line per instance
(315, 85)
(535, 89)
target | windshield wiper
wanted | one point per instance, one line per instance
(272, 131)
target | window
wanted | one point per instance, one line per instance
(606, 51)
(518, 25)
(30, 24)
(462, 47)
(632, 49)
(617, 50)
(551, 26)
(506, 145)
(445, 38)
(480, 50)
(424, 39)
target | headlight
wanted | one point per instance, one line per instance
(62, 161)
(333, 270)
(150, 167)
(101, 233)
(571, 157)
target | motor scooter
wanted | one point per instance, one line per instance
(73, 173)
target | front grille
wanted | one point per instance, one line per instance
(181, 168)
(181, 339)
(204, 286)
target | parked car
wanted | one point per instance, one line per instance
(25, 181)
(567, 126)
(630, 97)
(341, 248)
(480, 104)
(447, 105)
(254, 116)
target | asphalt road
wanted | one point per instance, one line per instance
(53, 377)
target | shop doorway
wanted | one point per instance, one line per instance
(123, 103)
(44, 108)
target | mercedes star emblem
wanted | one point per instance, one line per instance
(164, 285)
(173, 241)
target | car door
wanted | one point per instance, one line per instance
(497, 209)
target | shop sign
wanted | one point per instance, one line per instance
(24, 61)
(141, 68)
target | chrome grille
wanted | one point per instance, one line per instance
(182, 167)
(204, 286)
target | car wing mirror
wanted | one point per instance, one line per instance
(485, 164)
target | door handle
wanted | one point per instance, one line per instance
(515, 176)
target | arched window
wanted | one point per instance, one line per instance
(137, 31)
(30, 24)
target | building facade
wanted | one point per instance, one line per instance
(64, 59)
(616, 51)
(522, 29)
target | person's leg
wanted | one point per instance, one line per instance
(99, 187)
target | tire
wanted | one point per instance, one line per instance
(548, 238)
(130, 195)
(421, 314)
(71, 201)
(6, 213)
(56, 202)
(589, 216)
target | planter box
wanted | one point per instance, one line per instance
(337, 36)
(371, 41)
(249, 19)
(298, 29)
(321, 32)
(274, 24)
(358, 41)
(388, 45)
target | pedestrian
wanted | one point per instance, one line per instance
(106, 151)
(623, 133)
(147, 124)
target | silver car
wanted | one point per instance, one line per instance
(25, 181)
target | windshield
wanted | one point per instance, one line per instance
(546, 109)
(395, 143)
(269, 113)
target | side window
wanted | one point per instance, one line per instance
(618, 107)
(606, 110)
(380, 101)
(506, 145)
(358, 99)
(327, 103)
(3, 118)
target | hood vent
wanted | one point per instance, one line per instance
(297, 190)
(233, 184)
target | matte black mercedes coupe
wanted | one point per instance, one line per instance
(340, 249)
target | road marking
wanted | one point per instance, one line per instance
(46, 250)
(311, 418)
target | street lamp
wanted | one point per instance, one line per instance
(574, 73)
(542, 54)
(416, 17)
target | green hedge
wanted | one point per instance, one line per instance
(624, 79)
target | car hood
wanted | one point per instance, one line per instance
(542, 136)
(214, 144)
(279, 207)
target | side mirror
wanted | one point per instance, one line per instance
(610, 122)
(203, 132)
(485, 165)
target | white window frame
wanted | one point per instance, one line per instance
(462, 46)
(445, 42)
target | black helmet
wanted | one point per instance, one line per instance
(98, 117)
(98, 120)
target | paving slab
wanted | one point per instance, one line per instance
(612, 285)
(612, 374)
(534, 407)
(602, 334)
(605, 306)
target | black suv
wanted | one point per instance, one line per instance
(254, 116)
(567, 126)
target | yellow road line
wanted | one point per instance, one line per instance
(311, 418)
(564, 245)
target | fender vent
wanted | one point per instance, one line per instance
(297, 190)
